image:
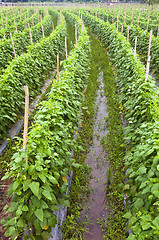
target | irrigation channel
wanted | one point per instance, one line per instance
(97, 207)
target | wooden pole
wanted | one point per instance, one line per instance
(13, 45)
(3, 31)
(135, 46)
(75, 33)
(124, 16)
(148, 23)
(150, 42)
(122, 30)
(58, 67)
(42, 27)
(53, 26)
(158, 32)
(66, 46)
(26, 119)
(31, 39)
(81, 25)
(138, 19)
(128, 34)
(60, 16)
(147, 67)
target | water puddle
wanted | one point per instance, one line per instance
(94, 209)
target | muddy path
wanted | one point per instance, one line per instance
(94, 209)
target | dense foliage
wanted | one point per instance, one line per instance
(29, 69)
(41, 183)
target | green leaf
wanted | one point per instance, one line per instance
(136, 229)
(132, 220)
(37, 227)
(34, 186)
(21, 223)
(131, 237)
(39, 214)
(52, 220)
(126, 187)
(145, 226)
(127, 215)
(25, 208)
(15, 185)
(67, 203)
(47, 194)
(26, 184)
(141, 170)
(52, 179)
(9, 231)
(43, 204)
(45, 235)
(4, 177)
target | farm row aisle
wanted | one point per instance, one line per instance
(101, 135)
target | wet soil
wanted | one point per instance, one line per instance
(94, 209)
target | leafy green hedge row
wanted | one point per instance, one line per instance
(28, 69)
(20, 23)
(73, 19)
(140, 103)
(142, 41)
(22, 41)
(112, 18)
(143, 44)
(42, 182)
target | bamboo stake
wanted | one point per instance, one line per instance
(60, 16)
(58, 67)
(122, 30)
(3, 31)
(124, 16)
(42, 27)
(138, 19)
(66, 46)
(147, 67)
(13, 45)
(75, 33)
(150, 43)
(128, 34)
(53, 26)
(15, 25)
(158, 32)
(117, 23)
(81, 25)
(135, 46)
(132, 17)
(148, 23)
(31, 39)
(26, 119)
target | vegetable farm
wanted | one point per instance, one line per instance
(86, 165)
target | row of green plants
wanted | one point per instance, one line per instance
(6, 15)
(139, 104)
(30, 69)
(22, 40)
(41, 182)
(18, 22)
(142, 41)
(135, 18)
(143, 45)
